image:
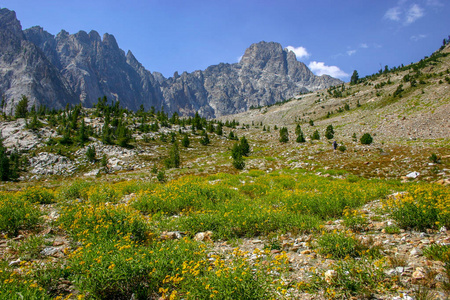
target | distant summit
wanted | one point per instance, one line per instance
(79, 68)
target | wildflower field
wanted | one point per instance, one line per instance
(116, 245)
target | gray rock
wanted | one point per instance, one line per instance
(80, 67)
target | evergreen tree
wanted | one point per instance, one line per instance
(204, 140)
(174, 157)
(315, 135)
(22, 108)
(298, 129)
(185, 141)
(300, 137)
(244, 146)
(355, 77)
(90, 154)
(236, 154)
(123, 135)
(284, 135)
(82, 133)
(329, 132)
(4, 163)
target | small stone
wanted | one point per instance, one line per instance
(203, 236)
(49, 251)
(330, 275)
(418, 274)
(305, 252)
(15, 262)
(416, 252)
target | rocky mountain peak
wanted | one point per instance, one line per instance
(10, 24)
(259, 54)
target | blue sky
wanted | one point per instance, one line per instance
(331, 37)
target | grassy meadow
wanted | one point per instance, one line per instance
(116, 244)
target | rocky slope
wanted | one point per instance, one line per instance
(73, 68)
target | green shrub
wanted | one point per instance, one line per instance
(342, 148)
(341, 245)
(17, 213)
(315, 135)
(366, 139)
(38, 194)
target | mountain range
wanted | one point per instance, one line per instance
(79, 68)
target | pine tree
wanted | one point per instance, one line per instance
(315, 135)
(185, 141)
(174, 157)
(22, 108)
(284, 135)
(204, 140)
(329, 132)
(355, 77)
(244, 146)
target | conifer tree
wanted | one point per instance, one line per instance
(284, 135)
(329, 132)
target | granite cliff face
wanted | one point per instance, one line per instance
(81, 67)
(266, 74)
(25, 70)
(94, 67)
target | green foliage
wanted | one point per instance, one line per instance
(284, 135)
(329, 132)
(340, 245)
(22, 108)
(355, 77)
(398, 91)
(17, 213)
(315, 135)
(174, 160)
(161, 176)
(342, 148)
(236, 154)
(38, 194)
(300, 137)
(434, 158)
(366, 139)
(204, 140)
(354, 138)
(421, 208)
(311, 122)
(244, 146)
(392, 229)
(185, 141)
(90, 154)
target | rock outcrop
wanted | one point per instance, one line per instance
(25, 70)
(81, 67)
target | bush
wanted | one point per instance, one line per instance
(38, 194)
(434, 158)
(17, 213)
(174, 157)
(366, 139)
(342, 148)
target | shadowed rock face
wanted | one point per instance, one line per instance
(81, 67)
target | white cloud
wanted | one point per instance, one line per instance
(393, 14)
(300, 52)
(364, 46)
(319, 68)
(239, 58)
(415, 12)
(415, 38)
(351, 52)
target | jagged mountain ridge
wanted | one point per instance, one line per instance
(85, 66)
